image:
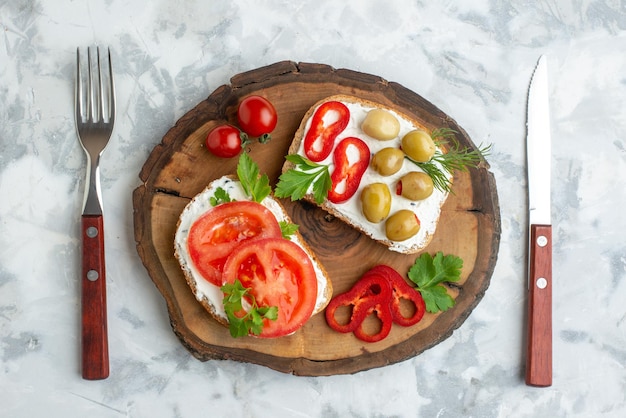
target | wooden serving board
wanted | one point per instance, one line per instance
(180, 167)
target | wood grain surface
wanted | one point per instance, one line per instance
(180, 167)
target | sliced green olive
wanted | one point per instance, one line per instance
(375, 202)
(419, 146)
(415, 186)
(402, 225)
(381, 125)
(388, 161)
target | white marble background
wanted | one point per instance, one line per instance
(473, 59)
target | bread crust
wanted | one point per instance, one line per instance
(326, 205)
(192, 278)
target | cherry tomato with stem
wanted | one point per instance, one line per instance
(225, 141)
(257, 117)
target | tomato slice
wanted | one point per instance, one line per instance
(329, 120)
(279, 273)
(215, 235)
(351, 158)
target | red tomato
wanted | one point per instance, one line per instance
(214, 236)
(351, 158)
(224, 141)
(329, 120)
(256, 116)
(279, 274)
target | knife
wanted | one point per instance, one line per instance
(538, 153)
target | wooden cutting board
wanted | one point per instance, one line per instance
(180, 167)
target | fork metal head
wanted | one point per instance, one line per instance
(94, 107)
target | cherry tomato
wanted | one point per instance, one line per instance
(256, 116)
(279, 273)
(351, 158)
(224, 141)
(329, 120)
(214, 236)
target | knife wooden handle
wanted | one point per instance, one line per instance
(539, 352)
(95, 345)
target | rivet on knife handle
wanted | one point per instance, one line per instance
(95, 346)
(539, 352)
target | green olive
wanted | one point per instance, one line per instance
(415, 185)
(375, 202)
(402, 225)
(380, 124)
(419, 146)
(388, 161)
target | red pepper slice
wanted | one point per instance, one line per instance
(379, 291)
(329, 120)
(363, 298)
(351, 158)
(383, 312)
(401, 290)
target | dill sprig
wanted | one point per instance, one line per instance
(441, 165)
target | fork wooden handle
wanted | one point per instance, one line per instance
(539, 350)
(95, 345)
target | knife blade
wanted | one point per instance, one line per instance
(538, 153)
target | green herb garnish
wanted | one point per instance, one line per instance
(296, 182)
(287, 229)
(220, 196)
(252, 321)
(257, 187)
(429, 273)
(456, 158)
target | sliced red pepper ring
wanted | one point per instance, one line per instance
(384, 314)
(364, 296)
(351, 158)
(328, 121)
(380, 292)
(401, 290)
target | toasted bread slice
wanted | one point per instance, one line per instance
(210, 295)
(427, 210)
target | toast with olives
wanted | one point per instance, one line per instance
(387, 206)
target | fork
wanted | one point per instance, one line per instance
(94, 133)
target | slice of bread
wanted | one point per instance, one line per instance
(210, 295)
(427, 210)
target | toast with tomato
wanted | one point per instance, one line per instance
(227, 240)
(349, 157)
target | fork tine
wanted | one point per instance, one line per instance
(100, 101)
(112, 91)
(90, 101)
(78, 91)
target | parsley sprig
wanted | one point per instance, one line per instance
(252, 321)
(458, 158)
(429, 273)
(257, 187)
(288, 229)
(295, 182)
(220, 196)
